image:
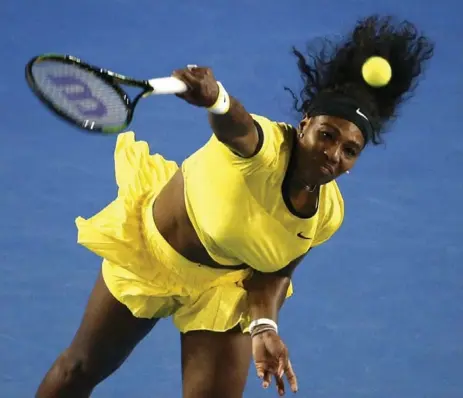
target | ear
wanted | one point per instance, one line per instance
(304, 122)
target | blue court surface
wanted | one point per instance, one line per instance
(378, 311)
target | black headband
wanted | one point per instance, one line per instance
(339, 105)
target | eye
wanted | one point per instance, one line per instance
(326, 135)
(350, 152)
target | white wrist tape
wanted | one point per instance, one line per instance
(222, 104)
(263, 321)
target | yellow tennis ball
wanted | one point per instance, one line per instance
(377, 71)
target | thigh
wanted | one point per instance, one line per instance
(215, 364)
(108, 331)
(107, 334)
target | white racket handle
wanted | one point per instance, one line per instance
(167, 85)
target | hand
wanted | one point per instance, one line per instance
(271, 358)
(202, 90)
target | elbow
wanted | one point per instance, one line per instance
(264, 280)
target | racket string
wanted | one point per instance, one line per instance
(80, 94)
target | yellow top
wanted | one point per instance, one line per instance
(237, 208)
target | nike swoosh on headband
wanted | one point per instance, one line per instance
(361, 114)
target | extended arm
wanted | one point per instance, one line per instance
(236, 129)
(235, 126)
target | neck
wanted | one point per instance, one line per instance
(296, 181)
(300, 197)
(297, 184)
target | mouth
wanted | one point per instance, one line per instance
(327, 169)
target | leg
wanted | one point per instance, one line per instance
(106, 336)
(215, 365)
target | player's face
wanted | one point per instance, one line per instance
(328, 147)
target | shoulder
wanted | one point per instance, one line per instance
(333, 195)
(333, 202)
(331, 212)
(281, 129)
(275, 140)
(275, 136)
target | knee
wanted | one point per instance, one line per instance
(73, 371)
(75, 374)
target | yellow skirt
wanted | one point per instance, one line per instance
(141, 269)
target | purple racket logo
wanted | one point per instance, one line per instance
(81, 92)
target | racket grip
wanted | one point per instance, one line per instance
(167, 85)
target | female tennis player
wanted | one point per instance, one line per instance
(214, 243)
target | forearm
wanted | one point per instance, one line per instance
(233, 125)
(266, 295)
(237, 122)
(267, 291)
(230, 122)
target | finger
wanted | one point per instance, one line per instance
(198, 71)
(193, 73)
(291, 376)
(186, 76)
(280, 385)
(260, 372)
(267, 379)
(282, 364)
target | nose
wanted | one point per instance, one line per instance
(333, 154)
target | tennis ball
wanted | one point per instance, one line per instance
(377, 71)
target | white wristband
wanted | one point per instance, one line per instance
(222, 104)
(263, 321)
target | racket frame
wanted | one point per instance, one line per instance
(111, 78)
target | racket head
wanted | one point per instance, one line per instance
(81, 94)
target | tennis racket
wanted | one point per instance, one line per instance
(90, 97)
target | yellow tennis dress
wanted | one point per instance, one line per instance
(237, 209)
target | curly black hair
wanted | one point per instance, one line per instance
(336, 67)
